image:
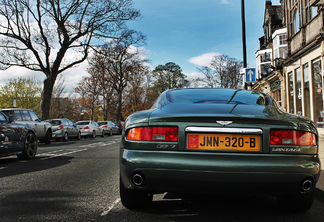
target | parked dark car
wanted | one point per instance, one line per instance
(29, 117)
(120, 125)
(64, 129)
(218, 141)
(109, 127)
(17, 139)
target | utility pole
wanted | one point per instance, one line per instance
(243, 39)
(243, 34)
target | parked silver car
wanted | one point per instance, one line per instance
(64, 129)
(89, 128)
(108, 127)
(29, 117)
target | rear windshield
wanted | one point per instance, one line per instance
(54, 122)
(212, 96)
(102, 123)
(83, 123)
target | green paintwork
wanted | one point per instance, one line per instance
(171, 167)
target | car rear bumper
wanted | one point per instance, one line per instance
(86, 133)
(58, 134)
(210, 172)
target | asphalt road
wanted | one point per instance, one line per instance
(78, 181)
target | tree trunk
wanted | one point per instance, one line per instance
(119, 106)
(46, 97)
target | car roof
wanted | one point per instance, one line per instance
(14, 109)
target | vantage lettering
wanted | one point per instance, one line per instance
(286, 149)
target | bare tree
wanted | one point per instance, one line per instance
(100, 67)
(89, 91)
(223, 72)
(40, 34)
(209, 77)
(121, 57)
(136, 91)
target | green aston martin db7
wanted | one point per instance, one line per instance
(218, 140)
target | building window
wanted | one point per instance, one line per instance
(310, 11)
(296, 22)
(294, 19)
(291, 92)
(275, 87)
(298, 92)
(266, 69)
(283, 39)
(277, 96)
(318, 91)
(266, 57)
(306, 91)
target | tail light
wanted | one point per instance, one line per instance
(292, 137)
(167, 134)
(60, 127)
(86, 127)
(104, 126)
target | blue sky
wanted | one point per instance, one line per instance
(187, 32)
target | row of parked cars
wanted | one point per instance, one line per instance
(21, 129)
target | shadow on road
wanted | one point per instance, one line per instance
(217, 208)
(8, 168)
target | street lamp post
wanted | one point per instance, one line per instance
(243, 38)
(243, 34)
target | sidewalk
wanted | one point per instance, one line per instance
(320, 183)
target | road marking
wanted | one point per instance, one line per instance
(51, 155)
(110, 208)
(98, 144)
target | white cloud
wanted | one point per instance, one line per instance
(16, 72)
(194, 75)
(71, 76)
(225, 2)
(204, 59)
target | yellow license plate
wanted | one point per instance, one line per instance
(231, 142)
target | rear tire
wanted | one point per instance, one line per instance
(66, 137)
(134, 199)
(297, 203)
(93, 135)
(48, 137)
(30, 147)
(110, 132)
(78, 136)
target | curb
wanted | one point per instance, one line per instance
(320, 133)
(319, 195)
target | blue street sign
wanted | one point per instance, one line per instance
(250, 75)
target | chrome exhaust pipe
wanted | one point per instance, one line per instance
(138, 179)
(306, 185)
